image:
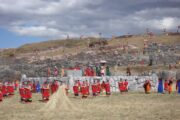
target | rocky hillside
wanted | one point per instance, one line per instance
(137, 50)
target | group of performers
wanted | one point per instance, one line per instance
(87, 71)
(97, 87)
(80, 88)
(46, 89)
(167, 86)
(163, 86)
(7, 89)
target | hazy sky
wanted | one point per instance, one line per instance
(25, 21)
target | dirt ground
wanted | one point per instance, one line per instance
(131, 106)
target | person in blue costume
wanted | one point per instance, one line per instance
(178, 86)
(38, 87)
(160, 86)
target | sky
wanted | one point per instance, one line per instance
(27, 21)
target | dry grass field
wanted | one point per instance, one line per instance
(131, 106)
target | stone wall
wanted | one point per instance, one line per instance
(135, 82)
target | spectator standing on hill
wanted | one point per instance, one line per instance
(128, 71)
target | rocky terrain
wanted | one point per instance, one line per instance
(138, 51)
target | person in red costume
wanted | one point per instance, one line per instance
(89, 71)
(10, 88)
(121, 86)
(87, 84)
(76, 89)
(22, 91)
(1, 96)
(79, 85)
(84, 90)
(54, 87)
(45, 91)
(28, 94)
(166, 86)
(94, 88)
(107, 88)
(126, 85)
(103, 85)
(4, 90)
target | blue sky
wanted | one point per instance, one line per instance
(27, 21)
(11, 40)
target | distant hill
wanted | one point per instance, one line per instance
(72, 44)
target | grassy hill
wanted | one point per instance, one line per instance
(78, 45)
(139, 40)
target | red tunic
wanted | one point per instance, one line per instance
(94, 89)
(4, 90)
(107, 88)
(22, 93)
(10, 89)
(166, 86)
(45, 92)
(98, 87)
(54, 87)
(121, 86)
(76, 90)
(84, 90)
(126, 85)
(1, 96)
(28, 94)
(89, 72)
(103, 85)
